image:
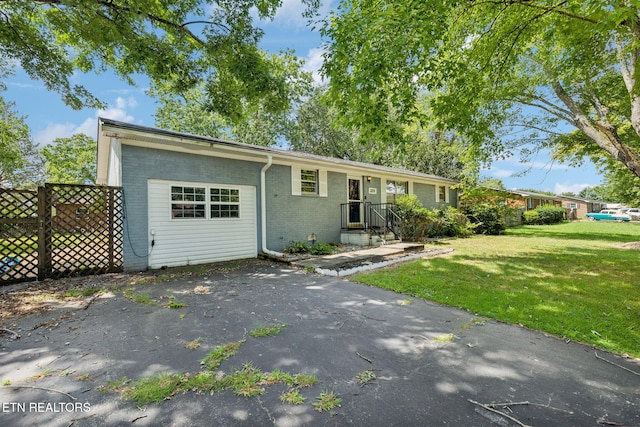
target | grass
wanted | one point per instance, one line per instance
(216, 356)
(247, 381)
(572, 280)
(326, 401)
(83, 292)
(365, 377)
(174, 304)
(267, 330)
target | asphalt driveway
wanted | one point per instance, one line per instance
(433, 365)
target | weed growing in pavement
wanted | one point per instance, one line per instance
(192, 345)
(304, 380)
(326, 401)
(366, 377)
(445, 338)
(83, 292)
(267, 330)
(248, 381)
(174, 304)
(215, 357)
(292, 397)
(154, 389)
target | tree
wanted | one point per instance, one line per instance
(319, 130)
(599, 193)
(71, 160)
(178, 44)
(501, 72)
(254, 121)
(316, 130)
(493, 183)
(20, 164)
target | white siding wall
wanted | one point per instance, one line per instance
(198, 241)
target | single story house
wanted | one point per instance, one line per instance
(531, 200)
(577, 207)
(190, 199)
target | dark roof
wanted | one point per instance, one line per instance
(266, 150)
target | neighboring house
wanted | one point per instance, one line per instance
(577, 207)
(532, 200)
(191, 199)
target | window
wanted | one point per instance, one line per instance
(573, 206)
(225, 203)
(188, 202)
(530, 204)
(396, 189)
(309, 181)
(442, 193)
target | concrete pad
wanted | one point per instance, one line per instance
(431, 362)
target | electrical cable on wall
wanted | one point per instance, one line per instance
(153, 241)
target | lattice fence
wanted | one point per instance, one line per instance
(63, 230)
(18, 235)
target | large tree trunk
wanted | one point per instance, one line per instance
(602, 133)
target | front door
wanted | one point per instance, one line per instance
(355, 200)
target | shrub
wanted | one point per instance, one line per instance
(487, 218)
(545, 214)
(297, 248)
(419, 222)
(531, 217)
(550, 214)
(321, 249)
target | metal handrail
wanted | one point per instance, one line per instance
(376, 217)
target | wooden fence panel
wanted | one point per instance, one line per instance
(18, 235)
(60, 231)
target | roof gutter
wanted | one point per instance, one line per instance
(263, 208)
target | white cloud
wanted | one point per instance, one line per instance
(289, 14)
(501, 173)
(565, 187)
(313, 63)
(89, 126)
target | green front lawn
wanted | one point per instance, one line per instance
(573, 280)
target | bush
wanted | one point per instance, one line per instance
(304, 248)
(531, 217)
(550, 214)
(297, 248)
(487, 218)
(321, 249)
(544, 215)
(419, 222)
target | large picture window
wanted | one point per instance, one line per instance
(192, 202)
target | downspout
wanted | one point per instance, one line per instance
(263, 208)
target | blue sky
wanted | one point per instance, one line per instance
(49, 118)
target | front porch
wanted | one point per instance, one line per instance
(369, 224)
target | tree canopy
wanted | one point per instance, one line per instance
(254, 122)
(71, 160)
(500, 72)
(20, 163)
(176, 43)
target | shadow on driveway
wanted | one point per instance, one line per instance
(431, 363)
